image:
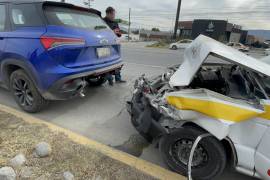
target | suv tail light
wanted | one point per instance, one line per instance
(52, 42)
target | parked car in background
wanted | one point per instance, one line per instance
(50, 50)
(183, 44)
(131, 37)
(239, 46)
(267, 52)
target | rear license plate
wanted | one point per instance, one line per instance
(103, 52)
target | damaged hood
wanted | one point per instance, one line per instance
(196, 54)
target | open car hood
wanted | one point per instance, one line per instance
(196, 54)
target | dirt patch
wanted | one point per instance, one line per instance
(17, 136)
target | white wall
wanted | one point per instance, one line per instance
(235, 37)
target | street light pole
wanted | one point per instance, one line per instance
(177, 19)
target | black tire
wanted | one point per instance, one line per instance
(174, 47)
(25, 93)
(211, 162)
(98, 81)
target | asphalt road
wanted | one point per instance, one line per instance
(102, 116)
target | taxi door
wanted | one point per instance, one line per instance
(262, 156)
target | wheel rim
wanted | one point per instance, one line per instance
(180, 152)
(23, 92)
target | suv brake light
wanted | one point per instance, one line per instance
(52, 42)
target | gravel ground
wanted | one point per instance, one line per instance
(17, 136)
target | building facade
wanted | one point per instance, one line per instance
(220, 30)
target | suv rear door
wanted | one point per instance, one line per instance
(3, 29)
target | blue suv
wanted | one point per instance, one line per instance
(51, 50)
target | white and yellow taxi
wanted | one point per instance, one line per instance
(216, 90)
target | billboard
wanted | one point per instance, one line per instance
(215, 29)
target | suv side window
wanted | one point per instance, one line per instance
(2, 17)
(25, 15)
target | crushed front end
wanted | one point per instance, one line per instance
(148, 109)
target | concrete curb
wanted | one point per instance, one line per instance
(139, 164)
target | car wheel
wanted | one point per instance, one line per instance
(174, 47)
(98, 81)
(25, 93)
(209, 158)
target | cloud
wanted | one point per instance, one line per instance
(251, 14)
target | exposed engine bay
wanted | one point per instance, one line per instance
(227, 79)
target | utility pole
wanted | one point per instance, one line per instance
(129, 23)
(177, 19)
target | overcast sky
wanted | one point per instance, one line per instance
(251, 14)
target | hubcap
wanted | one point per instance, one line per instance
(180, 152)
(22, 92)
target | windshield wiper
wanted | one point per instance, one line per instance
(100, 27)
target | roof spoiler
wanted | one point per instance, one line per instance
(91, 10)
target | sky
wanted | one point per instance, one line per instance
(251, 14)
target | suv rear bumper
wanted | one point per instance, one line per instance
(70, 86)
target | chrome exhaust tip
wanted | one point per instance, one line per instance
(81, 94)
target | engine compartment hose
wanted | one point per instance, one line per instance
(197, 141)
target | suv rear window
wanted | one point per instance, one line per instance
(25, 15)
(75, 18)
(2, 17)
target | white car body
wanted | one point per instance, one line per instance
(246, 125)
(183, 44)
(228, 99)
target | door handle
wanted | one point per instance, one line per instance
(1, 38)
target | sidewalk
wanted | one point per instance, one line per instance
(84, 158)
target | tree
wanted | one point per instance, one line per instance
(155, 29)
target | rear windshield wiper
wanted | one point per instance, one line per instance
(100, 27)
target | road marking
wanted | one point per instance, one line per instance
(146, 65)
(139, 164)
